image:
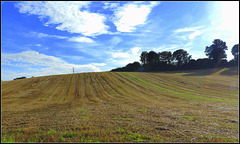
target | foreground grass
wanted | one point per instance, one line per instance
(122, 107)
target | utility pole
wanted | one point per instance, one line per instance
(73, 70)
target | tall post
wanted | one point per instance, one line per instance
(73, 70)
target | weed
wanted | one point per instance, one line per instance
(70, 134)
(51, 132)
(122, 118)
(81, 109)
(141, 110)
(61, 138)
(188, 117)
(5, 140)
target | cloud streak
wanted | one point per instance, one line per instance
(43, 64)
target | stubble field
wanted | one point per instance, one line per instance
(186, 106)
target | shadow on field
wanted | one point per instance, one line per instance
(231, 71)
(202, 72)
(221, 71)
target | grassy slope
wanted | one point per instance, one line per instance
(189, 106)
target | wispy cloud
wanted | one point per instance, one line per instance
(81, 39)
(120, 55)
(43, 64)
(187, 32)
(127, 17)
(110, 5)
(43, 35)
(67, 16)
(194, 34)
(38, 45)
(187, 29)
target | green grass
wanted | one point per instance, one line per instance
(7, 140)
(51, 132)
(179, 93)
(70, 134)
(61, 138)
(130, 136)
(187, 117)
(125, 119)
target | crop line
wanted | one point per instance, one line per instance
(88, 88)
(95, 93)
(53, 89)
(139, 87)
(185, 89)
(76, 92)
(102, 86)
(71, 92)
(210, 82)
(63, 87)
(59, 85)
(111, 86)
(184, 94)
(82, 88)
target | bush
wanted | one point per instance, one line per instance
(19, 78)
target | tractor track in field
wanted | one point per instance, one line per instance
(183, 88)
(139, 87)
(104, 79)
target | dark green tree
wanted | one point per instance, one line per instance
(181, 56)
(216, 51)
(143, 57)
(235, 52)
(152, 58)
(165, 57)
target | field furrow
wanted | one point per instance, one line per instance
(183, 87)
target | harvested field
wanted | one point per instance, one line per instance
(186, 106)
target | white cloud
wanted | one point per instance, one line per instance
(98, 64)
(186, 29)
(81, 39)
(43, 35)
(115, 40)
(194, 34)
(38, 45)
(183, 33)
(131, 15)
(120, 55)
(121, 59)
(135, 50)
(67, 15)
(42, 65)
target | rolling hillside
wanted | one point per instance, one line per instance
(186, 106)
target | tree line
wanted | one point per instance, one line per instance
(181, 60)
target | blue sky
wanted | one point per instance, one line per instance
(52, 37)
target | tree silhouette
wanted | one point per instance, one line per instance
(165, 57)
(235, 52)
(143, 57)
(181, 56)
(216, 51)
(152, 58)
